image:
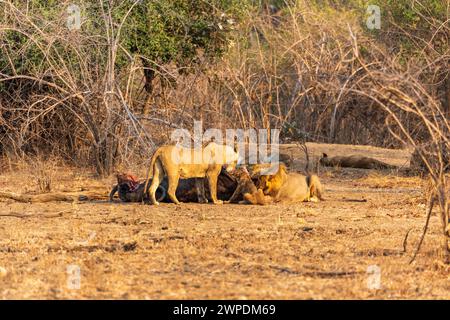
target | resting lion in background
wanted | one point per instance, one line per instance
(291, 187)
(177, 162)
(360, 162)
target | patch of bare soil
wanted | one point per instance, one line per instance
(201, 251)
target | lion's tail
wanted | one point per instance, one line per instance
(150, 168)
(315, 187)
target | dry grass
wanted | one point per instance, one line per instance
(308, 250)
(389, 180)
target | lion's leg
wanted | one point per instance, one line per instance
(212, 180)
(250, 198)
(200, 187)
(158, 175)
(260, 197)
(173, 184)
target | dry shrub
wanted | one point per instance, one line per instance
(414, 114)
(43, 172)
(288, 70)
(74, 104)
(288, 75)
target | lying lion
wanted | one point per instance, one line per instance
(177, 162)
(360, 162)
(291, 187)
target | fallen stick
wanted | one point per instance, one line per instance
(30, 215)
(49, 197)
(319, 274)
(353, 200)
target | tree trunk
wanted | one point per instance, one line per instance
(445, 226)
(446, 100)
(149, 75)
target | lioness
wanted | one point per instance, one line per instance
(354, 162)
(291, 187)
(177, 162)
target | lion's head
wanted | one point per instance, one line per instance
(271, 184)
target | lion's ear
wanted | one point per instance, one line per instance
(324, 155)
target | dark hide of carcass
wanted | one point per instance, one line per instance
(186, 191)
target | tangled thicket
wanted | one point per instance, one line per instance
(96, 96)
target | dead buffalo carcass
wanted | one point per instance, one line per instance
(130, 190)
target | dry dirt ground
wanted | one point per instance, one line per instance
(304, 251)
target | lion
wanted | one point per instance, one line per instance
(264, 172)
(354, 161)
(246, 191)
(291, 187)
(177, 162)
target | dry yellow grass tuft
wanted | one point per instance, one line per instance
(381, 180)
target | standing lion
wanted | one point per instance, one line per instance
(177, 162)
